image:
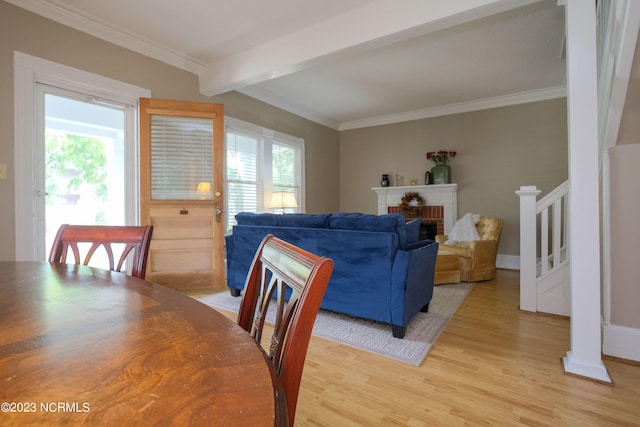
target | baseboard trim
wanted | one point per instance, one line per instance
(618, 341)
(621, 341)
(508, 262)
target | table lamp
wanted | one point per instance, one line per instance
(204, 190)
(282, 200)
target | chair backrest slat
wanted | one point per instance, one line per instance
(134, 238)
(297, 280)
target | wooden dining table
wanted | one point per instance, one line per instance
(85, 346)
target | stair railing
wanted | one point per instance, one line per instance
(543, 239)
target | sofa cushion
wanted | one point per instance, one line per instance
(283, 220)
(391, 223)
(250, 218)
(413, 230)
(363, 222)
(304, 220)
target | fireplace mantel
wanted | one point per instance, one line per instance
(445, 195)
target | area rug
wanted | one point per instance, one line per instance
(376, 337)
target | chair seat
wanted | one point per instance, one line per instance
(447, 268)
(461, 249)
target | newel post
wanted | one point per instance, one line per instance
(528, 292)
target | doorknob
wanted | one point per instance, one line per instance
(218, 214)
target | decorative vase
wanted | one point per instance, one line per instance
(385, 181)
(441, 174)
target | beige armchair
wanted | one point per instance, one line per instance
(477, 258)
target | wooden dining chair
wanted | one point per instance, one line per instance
(294, 280)
(70, 238)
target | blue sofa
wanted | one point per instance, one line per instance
(381, 270)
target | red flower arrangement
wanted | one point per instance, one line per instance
(440, 157)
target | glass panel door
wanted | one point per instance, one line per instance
(181, 191)
(82, 148)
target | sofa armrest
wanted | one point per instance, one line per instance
(483, 253)
(412, 281)
(418, 244)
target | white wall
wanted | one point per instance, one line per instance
(622, 334)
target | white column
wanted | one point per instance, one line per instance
(528, 288)
(584, 357)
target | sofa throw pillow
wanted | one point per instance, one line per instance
(413, 230)
(464, 230)
(393, 223)
(363, 222)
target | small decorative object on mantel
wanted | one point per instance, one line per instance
(411, 205)
(441, 172)
(385, 180)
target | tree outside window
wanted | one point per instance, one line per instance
(76, 169)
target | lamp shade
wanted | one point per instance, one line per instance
(283, 199)
(204, 187)
(204, 190)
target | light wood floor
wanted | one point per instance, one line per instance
(492, 366)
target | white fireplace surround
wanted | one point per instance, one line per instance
(445, 195)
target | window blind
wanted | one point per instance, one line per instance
(181, 157)
(260, 161)
(243, 186)
(286, 164)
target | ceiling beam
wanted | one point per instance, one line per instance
(379, 23)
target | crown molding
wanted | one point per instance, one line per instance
(445, 110)
(462, 107)
(97, 28)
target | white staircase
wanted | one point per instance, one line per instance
(544, 260)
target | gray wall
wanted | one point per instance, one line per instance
(498, 151)
(625, 208)
(31, 34)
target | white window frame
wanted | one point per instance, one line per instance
(28, 71)
(266, 138)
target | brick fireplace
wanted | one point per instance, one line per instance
(428, 215)
(441, 203)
